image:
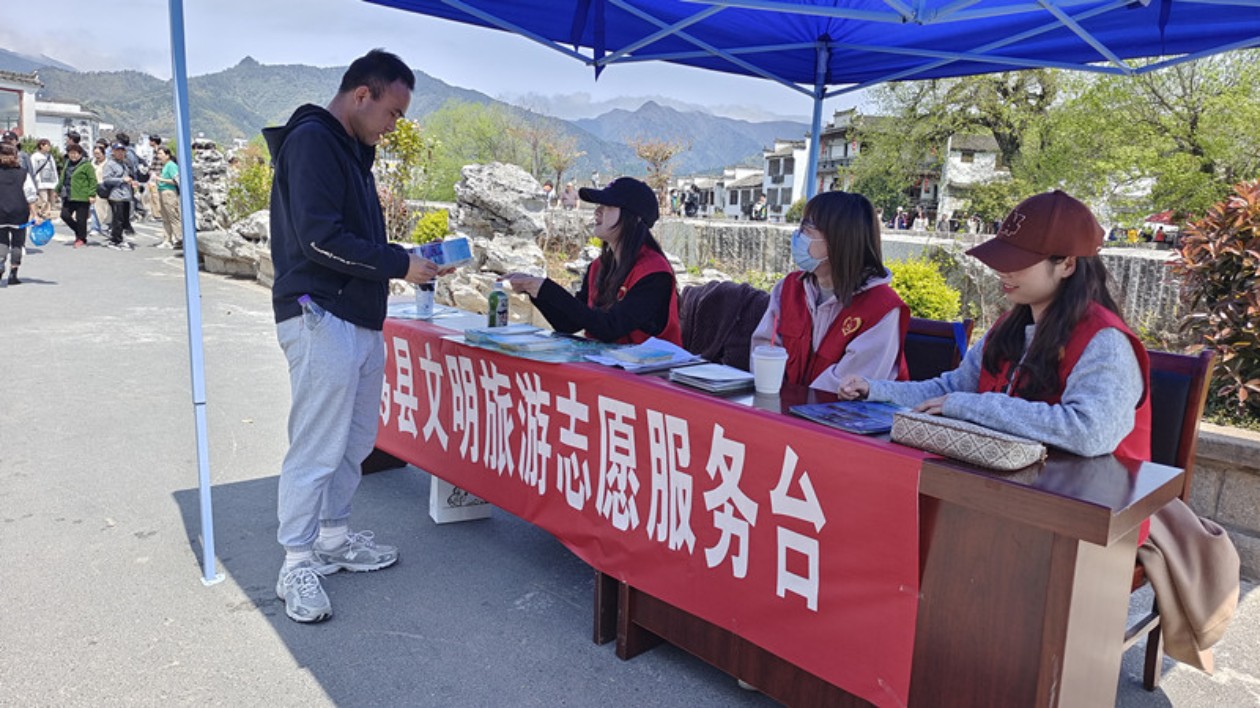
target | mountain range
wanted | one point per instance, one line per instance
(239, 101)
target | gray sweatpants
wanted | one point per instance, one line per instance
(336, 370)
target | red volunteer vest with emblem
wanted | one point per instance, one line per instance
(646, 263)
(1137, 444)
(796, 328)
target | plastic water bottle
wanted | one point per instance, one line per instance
(497, 310)
(424, 300)
(311, 313)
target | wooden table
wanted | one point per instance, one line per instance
(1023, 578)
(1024, 589)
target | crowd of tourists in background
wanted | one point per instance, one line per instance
(96, 191)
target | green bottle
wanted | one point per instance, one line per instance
(497, 309)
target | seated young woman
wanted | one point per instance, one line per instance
(1061, 365)
(628, 294)
(836, 316)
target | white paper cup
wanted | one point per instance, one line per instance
(768, 364)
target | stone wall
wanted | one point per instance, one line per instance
(1226, 488)
(1226, 485)
(1141, 277)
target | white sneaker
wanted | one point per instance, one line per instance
(304, 597)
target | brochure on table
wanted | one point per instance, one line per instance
(652, 355)
(862, 417)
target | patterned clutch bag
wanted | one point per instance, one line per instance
(965, 441)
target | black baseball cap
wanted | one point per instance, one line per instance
(626, 193)
(9, 135)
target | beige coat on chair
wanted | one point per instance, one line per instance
(1194, 569)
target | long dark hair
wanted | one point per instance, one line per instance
(848, 224)
(613, 269)
(1039, 372)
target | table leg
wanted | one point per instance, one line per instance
(605, 608)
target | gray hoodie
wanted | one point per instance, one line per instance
(115, 171)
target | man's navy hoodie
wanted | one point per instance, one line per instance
(327, 231)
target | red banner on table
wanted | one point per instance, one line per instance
(800, 539)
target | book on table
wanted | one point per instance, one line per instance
(653, 355)
(478, 335)
(526, 342)
(861, 417)
(714, 378)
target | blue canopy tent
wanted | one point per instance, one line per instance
(821, 48)
(811, 46)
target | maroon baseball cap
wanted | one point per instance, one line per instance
(1049, 224)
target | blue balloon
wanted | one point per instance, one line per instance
(42, 232)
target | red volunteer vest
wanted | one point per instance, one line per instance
(796, 328)
(1137, 444)
(646, 263)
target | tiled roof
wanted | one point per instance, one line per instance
(20, 78)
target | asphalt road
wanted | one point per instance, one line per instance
(100, 582)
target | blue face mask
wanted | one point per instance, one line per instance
(800, 253)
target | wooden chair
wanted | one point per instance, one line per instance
(933, 347)
(1179, 385)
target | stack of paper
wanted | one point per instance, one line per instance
(478, 335)
(714, 378)
(652, 355)
(526, 342)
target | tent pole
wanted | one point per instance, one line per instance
(192, 287)
(815, 130)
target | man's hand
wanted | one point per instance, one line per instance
(421, 270)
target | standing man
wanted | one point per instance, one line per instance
(117, 177)
(333, 265)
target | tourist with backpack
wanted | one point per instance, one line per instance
(17, 208)
(139, 172)
(118, 187)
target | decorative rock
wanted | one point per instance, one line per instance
(511, 254)
(210, 186)
(499, 198)
(465, 290)
(579, 266)
(266, 269)
(226, 253)
(256, 227)
(567, 230)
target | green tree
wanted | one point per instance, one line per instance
(403, 166)
(249, 186)
(465, 134)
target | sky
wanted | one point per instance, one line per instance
(133, 34)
